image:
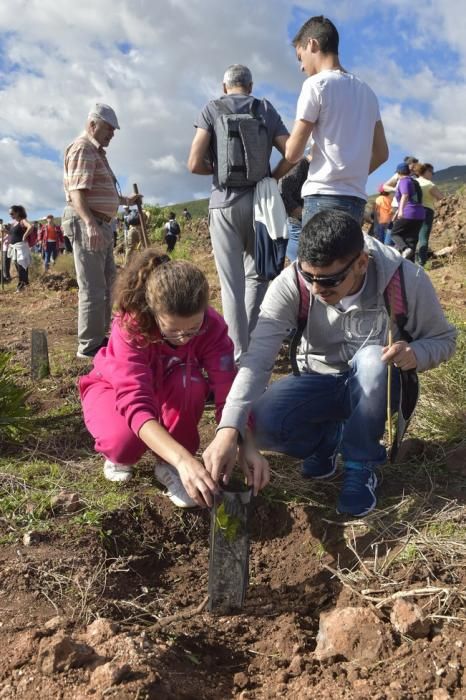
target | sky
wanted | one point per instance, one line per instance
(157, 62)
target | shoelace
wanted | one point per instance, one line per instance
(355, 478)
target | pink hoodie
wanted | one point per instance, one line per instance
(136, 372)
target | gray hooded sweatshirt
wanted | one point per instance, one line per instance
(332, 336)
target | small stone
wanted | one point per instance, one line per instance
(440, 694)
(60, 653)
(31, 538)
(296, 666)
(54, 623)
(354, 634)
(100, 631)
(111, 673)
(240, 680)
(23, 649)
(66, 502)
(407, 618)
(282, 677)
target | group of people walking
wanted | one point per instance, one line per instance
(168, 349)
(404, 210)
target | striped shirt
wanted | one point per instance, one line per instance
(87, 168)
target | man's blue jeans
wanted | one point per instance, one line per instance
(294, 232)
(313, 203)
(304, 416)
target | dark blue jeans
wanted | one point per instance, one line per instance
(50, 253)
(354, 206)
(304, 416)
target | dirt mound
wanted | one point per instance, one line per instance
(58, 281)
(198, 230)
(450, 221)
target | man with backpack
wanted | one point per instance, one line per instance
(172, 232)
(410, 214)
(233, 142)
(342, 295)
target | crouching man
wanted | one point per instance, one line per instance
(335, 402)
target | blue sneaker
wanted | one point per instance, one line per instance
(357, 495)
(316, 467)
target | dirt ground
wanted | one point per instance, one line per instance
(113, 610)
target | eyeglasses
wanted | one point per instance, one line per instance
(328, 281)
(178, 335)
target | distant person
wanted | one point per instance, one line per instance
(50, 238)
(6, 262)
(21, 239)
(430, 195)
(410, 213)
(383, 214)
(167, 349)
(231, 206)
(172, 232)
(93, 199)
(187, 214)
(342, 115)
(391, 183)
(132, 232)
(335, 402)
(290, 187)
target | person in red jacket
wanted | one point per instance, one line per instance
(167, 350)
(50, 238)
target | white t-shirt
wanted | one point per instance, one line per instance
(344, 111)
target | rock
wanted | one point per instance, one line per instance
(440, 694)
(100, 630)
(55, 623)
(456, 461)
(296, 666)
(60, 653)
(407, 618)
(354, 634)
(66, 502)
(240, 680)
(111, 673)
(31, 538)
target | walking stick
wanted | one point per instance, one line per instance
(389, 385)
(142, 221)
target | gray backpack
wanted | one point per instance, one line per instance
(242, 146)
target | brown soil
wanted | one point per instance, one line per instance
(150, 561)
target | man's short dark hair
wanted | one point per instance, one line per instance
(328, 236)
(321, 29)
(172, 215)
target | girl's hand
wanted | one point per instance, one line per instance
(255, 467)
(197, 482)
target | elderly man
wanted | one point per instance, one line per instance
(231, 203)
(93, 198)
(336, 400)
(341, 113)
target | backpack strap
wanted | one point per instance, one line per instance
(396, 301)
(303, 312)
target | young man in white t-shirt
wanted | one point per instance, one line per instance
(342, 114)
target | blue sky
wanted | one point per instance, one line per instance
(158, 62)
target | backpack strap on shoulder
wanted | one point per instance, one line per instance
(396, 301)
(303, 312)
(222, 107)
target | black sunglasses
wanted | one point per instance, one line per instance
(328, 280)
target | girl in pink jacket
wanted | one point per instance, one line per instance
(167, 350)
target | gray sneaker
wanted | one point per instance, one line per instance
(176, 492)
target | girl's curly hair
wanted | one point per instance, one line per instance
(153, 284)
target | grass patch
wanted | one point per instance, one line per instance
(441, 412)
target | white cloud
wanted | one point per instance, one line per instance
(63, 56)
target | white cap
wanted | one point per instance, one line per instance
(104, 112)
